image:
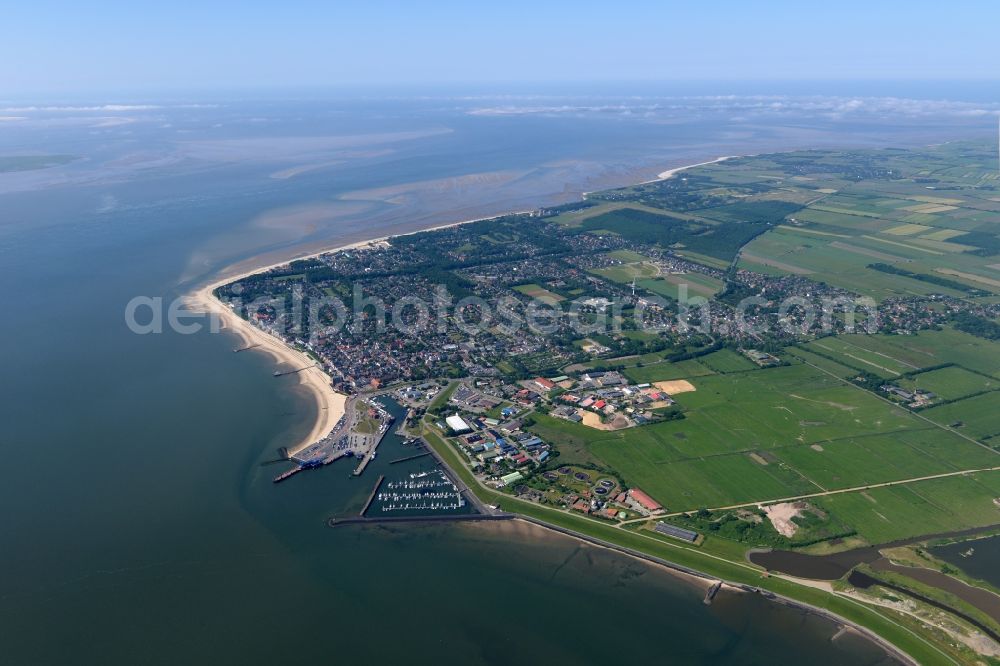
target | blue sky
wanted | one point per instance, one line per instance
(81, 46)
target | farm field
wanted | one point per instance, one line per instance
(669, 286)
(704, 259)
(846, 352)
(822, 362)
(850, 226)
(659, 372)
(950, 383)
(726, 360)
(625, 273)
(809, 433)
(697, 284)
(641, 269)
(628, 256)
(978, 416)
(923, 507)
(926, 349)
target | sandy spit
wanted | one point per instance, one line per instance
(670, 173)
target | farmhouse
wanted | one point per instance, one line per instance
(763, 359)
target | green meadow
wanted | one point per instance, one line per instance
(950, 383)
(934, 506)
(808, 433)
(951, 231)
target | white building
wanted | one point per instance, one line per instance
(457, 424)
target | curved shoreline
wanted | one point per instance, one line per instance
(706, 580)
(331, 404)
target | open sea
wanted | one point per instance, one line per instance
(138, 523)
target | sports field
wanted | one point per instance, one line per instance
(539, 292)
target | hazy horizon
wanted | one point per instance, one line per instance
(228, 46)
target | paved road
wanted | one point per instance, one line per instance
(795, 498)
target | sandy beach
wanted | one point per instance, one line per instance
(329, 403)
(669, 173)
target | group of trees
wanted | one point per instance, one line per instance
(925, 277)
(976, 325)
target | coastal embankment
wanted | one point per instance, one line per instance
(707, 582)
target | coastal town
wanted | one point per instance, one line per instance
(651, 361)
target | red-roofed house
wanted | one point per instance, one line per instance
(644, 501)
(545, 384)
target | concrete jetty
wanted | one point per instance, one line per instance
(371, 498)
(364, 462)
(370, 455)
(335, 456)
(414, 457)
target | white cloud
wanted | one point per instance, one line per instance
(746, 106)
(102, 108)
